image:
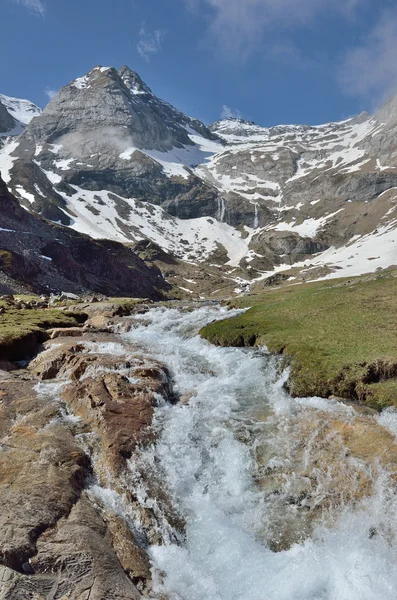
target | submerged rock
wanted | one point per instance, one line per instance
(331, 467)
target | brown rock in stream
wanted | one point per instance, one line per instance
(115, 396)
(132, 557)
(55, 541)
(334, 459)
(120, 412)
(42, 471)
(75, 561)
(58, 332)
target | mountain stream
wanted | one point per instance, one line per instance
(281, 498)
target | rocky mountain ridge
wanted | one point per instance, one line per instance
(39, 256)
(108, 158)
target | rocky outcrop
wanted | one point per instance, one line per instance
(283, 247)
(74, 560)
(61, 442)
(53, 541)
(40, 469)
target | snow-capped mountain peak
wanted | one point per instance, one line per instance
(109, 158)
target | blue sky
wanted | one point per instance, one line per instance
(271, 61)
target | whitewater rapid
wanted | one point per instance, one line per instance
(235, 430)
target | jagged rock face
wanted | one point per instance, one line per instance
(6, 120)
(48, 257)
(285, 246)
(91, 135)
(109, 158)
(111, 108)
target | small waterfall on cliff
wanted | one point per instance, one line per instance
(277, 502)
(256, 217)
(221, 209)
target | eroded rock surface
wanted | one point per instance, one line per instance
(42, 471)
(68, 428)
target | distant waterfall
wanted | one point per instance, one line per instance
(256, 217)
(221, 209)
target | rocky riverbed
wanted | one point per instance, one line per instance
(138, 461)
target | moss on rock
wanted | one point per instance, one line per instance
(22, 330)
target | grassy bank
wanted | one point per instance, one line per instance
(21, 330)
(340, 336)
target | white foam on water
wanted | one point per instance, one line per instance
(209, 475)
(112, 348)
(108, 498)
(388, 419)
(50, 389)
(221, 561)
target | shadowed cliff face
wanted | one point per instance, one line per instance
(6, 120)
(47, 257)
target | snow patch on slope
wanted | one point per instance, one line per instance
(308, 228)
(6, 160)
(365, 255)
(24, 194)
(190, 239)
(178, 161)
(362, 254)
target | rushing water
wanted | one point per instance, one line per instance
(253, 471)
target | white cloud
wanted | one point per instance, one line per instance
(230, 113)
(238, 26)
(36, 6)
(50, 93)
(370, 69)
(150, 42)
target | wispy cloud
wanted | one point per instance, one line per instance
(370, 68)
(150, 42)
(36, 6)
(230, 113)
(50, 93)
(238, 26)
